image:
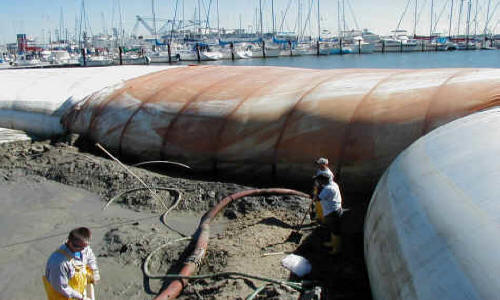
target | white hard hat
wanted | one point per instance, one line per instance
(322, 161)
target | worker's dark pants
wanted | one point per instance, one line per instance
(333, 221)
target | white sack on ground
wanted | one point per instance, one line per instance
(298, 265)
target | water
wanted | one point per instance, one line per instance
(409, 60)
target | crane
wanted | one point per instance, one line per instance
(140, 20)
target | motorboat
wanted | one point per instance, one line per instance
(325, 48)
(442, 44)
(95, 61)
(303, 49)
(185, 54)
(356, 43)
(208, 55)
(391, 44)
(4, 64)
(162, 57)
(338, 49)
(62, 57)
(470, 45)
(132, 59)
(397, 42)
(255, 51)
(27, 60)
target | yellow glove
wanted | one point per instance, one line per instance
(93, 276)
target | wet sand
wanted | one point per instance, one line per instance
(47, 188)
(36, 218)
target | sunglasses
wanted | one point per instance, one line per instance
(77, 244)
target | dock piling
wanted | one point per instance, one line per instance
(120, 51)
(84, 57)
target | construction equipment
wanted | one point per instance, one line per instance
(296, 235)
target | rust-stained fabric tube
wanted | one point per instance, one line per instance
(276, 121)
(203, 234)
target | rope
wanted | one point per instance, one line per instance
(145, 267)
(144, 188)
(155, 196)
(163, 216)
(161, 162)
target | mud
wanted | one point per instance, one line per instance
(245, 238)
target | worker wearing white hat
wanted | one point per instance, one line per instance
(323, 169)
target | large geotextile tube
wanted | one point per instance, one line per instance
(275, 121)
(192, 262)
(432, 230)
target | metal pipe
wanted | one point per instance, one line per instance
(203, 233)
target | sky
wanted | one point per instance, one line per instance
(37, 18)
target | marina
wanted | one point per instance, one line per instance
(428, 59)
(156, 40)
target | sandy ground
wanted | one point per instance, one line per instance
(50, 187)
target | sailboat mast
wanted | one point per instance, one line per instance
(339, 26)
(343, 17)
(82, 16)
(487, 18)
(260, 18)
(415, 20)
(154, 17)
(61, 25)
(319, 24)
(475, 19)
(199, 16)
(460, 17)
(218, 20)
(103, 19)
(432, 17)
(122, 33)
(272, 13)
(468, 24)
(451, 19)
(299, 19)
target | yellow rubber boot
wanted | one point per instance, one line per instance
(330, 242)
(334, 243)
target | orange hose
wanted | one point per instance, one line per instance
(192, 262)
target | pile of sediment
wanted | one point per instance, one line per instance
(244, 235)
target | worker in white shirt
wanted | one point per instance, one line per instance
(322, 169)
(329, 211)
(71, 268)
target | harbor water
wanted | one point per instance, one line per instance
(407, 60)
